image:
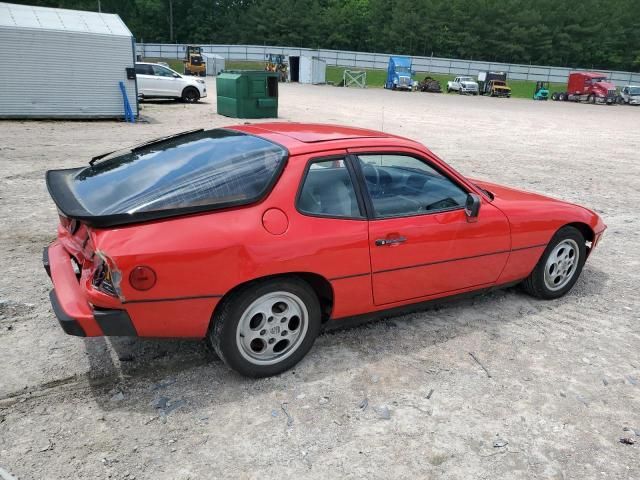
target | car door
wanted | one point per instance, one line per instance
(421, 241)
(166, 82)
(146, 80)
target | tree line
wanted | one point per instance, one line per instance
(590, 34)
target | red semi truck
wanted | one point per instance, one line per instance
(588, 86)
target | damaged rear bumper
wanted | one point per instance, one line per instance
(75, 314)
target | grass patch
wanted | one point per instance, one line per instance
(376, 78)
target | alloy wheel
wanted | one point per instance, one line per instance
(561, 265)
(272, 328)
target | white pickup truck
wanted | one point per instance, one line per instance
(463, 85)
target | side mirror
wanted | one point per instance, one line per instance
(472, 207)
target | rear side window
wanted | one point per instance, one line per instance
(214, 168)
(328, 191)
(144, 69)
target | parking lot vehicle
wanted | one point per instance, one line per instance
(588, 87)
(493, 84)
(399, 74)
(194, 64)
(463, 85)
(542, 91)
(430, 84)
(630, 94)
(277, 63)
(498, 88)
(157, 81)
(256, 237)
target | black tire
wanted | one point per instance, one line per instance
(554, 96)
(222, 334)
(190, 95)
(535, 284)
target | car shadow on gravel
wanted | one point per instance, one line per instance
(129, 373)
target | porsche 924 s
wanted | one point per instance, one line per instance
(256, 237)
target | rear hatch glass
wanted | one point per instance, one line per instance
(200, 171)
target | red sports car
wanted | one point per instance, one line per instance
(257, 237)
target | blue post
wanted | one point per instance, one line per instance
(128, 113)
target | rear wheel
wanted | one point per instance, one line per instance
(266, 328)
(190, 95)
(560, 265)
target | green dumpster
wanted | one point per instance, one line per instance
(247, 94)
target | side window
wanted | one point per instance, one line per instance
(328, 191)
(144, 70)
(161, 71)
(400, 185)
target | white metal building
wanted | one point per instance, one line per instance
(312, 70)
(215, 63)
(57, 63)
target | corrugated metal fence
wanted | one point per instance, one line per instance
(380, 60)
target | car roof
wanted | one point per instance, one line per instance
(590, 74)
(304, 137)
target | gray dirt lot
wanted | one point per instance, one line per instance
(565, 374)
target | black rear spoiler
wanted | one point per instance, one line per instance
(59, 186)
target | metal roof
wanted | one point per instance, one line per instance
(43, 18)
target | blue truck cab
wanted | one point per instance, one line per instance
(399, 74)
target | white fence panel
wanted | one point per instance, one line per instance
(362, 60)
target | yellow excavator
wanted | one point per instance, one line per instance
(194, 64)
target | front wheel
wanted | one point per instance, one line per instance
(265, 329)
(560, 265)
(190, 95)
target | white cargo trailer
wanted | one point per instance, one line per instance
(57, 63)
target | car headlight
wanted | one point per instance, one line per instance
(200, 81)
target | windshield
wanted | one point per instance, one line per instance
(599, 79)
(634, 90)
(402, 69)
(466, 79)
(499, 83)
(206, 168)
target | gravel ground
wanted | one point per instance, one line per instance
(400, 398)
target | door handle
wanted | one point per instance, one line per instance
(381, 242)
